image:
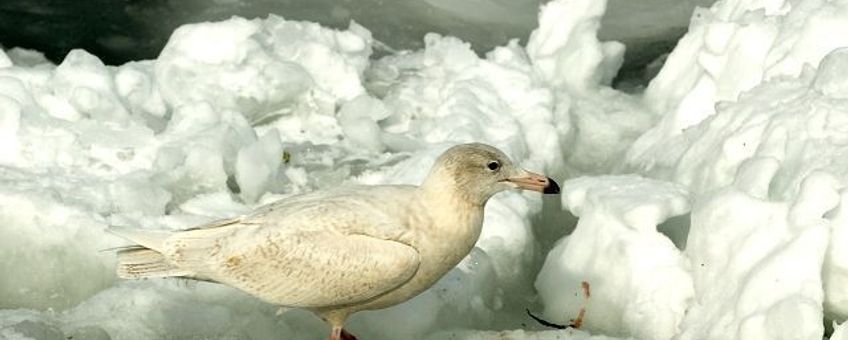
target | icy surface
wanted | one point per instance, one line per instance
(713, 206)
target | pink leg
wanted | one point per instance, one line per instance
(336, 333)
(347, 336)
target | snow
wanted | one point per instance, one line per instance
(520, 335)
(566, 50)
(840, 331)
(257, 165)
(729, 49)
(4, 60)
(711, 206)
(640, 283)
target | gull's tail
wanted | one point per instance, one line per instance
(144, 259)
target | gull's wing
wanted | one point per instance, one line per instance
(318, 270)
(309, 253)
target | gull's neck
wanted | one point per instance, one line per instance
(446, 201)
(455, 219)
(441, 186)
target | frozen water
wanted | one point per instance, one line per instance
(743, 129)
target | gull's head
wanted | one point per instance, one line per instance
(479, 171)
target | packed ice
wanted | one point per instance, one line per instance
(711, 205)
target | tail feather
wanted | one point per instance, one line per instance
(142, 262)
(148, 259)
(148, 238)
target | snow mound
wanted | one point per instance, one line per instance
(769, 174)
(729, 49)
(261, 67)
(639, 282)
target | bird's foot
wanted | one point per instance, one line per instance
(341, 334)
(347, 336)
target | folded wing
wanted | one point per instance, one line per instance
(307, 255)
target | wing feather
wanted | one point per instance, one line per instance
(318, 270)
(302, 252)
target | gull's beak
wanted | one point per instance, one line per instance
(533, 181)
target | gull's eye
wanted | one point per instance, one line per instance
(493, 165)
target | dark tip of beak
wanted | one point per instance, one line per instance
(552, 188)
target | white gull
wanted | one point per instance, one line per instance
(339, 251)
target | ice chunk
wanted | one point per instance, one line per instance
(565, 49)
(23, 57)
(729, 49)
(770, 173)
(257, 165)
(840, 331)
(4, 60)
(601, 128)
(87, 84)
(262, 68)
(217, 204)
(226, 65)
(200, 126)
(14, 88)
(10, 119)
(193, 119)
(771, 287)
(197, 170)
(334, 59)
(594, 122)
(138, 195)
(835, 273)
(134, 83)
(358, 119)
(58, 107)
(830, 79)
(639, 282)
